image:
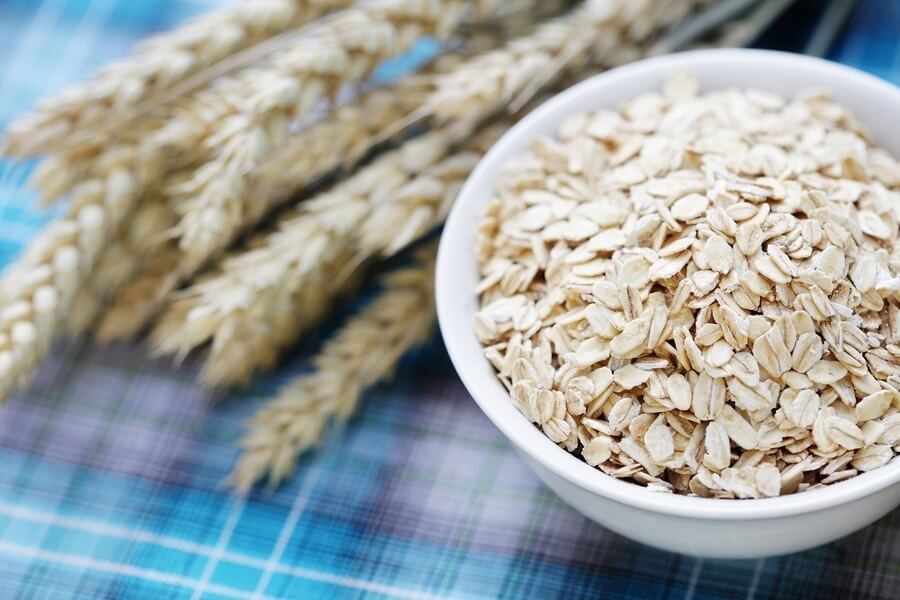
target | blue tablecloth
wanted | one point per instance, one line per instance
(111, 464)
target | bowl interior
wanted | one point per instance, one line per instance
(875, 103)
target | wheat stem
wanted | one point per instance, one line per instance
(362, 353)
(158, 64)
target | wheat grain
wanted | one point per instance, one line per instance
(83, 313)
(259, 282)
(148, 227)
(158, 64)
(364, 352)
(57, 174)
(592, 32)
(255, 109)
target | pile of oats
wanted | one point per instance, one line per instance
(701, 293)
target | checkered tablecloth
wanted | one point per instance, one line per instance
(111, 464)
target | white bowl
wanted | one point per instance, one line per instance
(698, 526)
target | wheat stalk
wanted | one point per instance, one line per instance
(255, 109)
(364, 351)
(255, 284)
(158, 64)
(592, 32)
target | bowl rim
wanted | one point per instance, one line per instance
(494, 400)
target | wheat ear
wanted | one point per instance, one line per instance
(249, 341)
(139, 238)
(363, 352)
(158, 64)
(215, 208)
(230, 307)
(252, 340)
(417, 207)
(249, 346)
(38, 288)
(340, 50)
(590, 33)
(122, 174)
(338, 141)
(134, 151)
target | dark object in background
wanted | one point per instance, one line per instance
(808, 26)
(804, 26)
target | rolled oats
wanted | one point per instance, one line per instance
(710, 310)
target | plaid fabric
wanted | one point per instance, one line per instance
(111, 464)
